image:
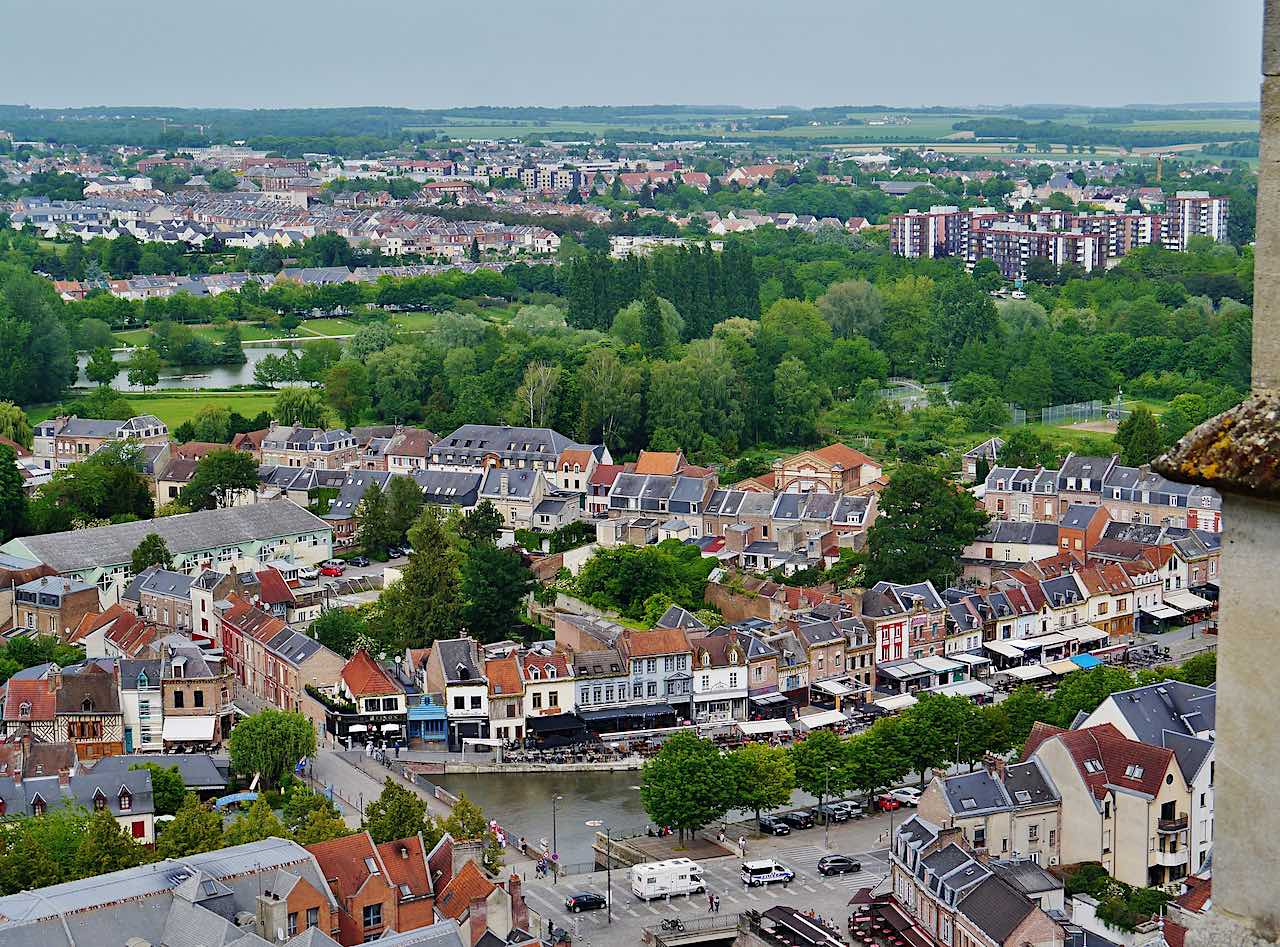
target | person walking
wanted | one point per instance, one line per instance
(742, 845)
(711, 902)
(717, 905)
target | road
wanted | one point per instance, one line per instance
(800, 851)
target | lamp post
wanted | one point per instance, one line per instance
(608, 864)
(555, 847)
(826, 816)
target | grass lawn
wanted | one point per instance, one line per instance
(327, 328)
(414, 321)
(133, 336)
(174, 407)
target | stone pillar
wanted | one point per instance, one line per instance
(1239, 453)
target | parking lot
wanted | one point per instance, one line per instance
(862, 839)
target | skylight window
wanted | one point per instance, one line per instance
(1133, 771)
(372, 864)
(969, 803)
(1092, 766)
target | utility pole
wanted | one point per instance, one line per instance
(608, 864)
(555, 848)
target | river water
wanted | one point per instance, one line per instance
(194, 376)
(522, 803)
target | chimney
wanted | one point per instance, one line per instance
(519, 910)
(64, 777)
(994, 764)
(478, 923)
(404, 852)
(55, 679)
(466, 851)
(504, 485)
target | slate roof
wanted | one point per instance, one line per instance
(449, 487)
(354, 486)
(198, 770)
(473, 441)
(459, 660)
(157, 581)
(82, 789)
(113, 545)
(1166, 707)
(996, 908)
(519, 482)
(92, 684)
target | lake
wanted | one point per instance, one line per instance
(194, 376)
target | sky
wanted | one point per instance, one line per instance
(419, 53)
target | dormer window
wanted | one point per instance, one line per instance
(551, 672)
(143, 680)
(86, 705)
(733, 657)
(534, 673)
(706, 660)
(99, 800)
(126, 800)
(37, 806)
(24, 709)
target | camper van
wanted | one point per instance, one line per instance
(667, 878)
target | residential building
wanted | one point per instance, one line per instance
(1004, 810)
(126, 795)
(87, 711)
(455, 671)
(1023, 494)
(142, 705)
(195, 689)
(1196, 214)
(506, 697)
(908, 621)
(835, 468)
(516, 493)
(549, 687)
(60, 442)
(408, 450)
(53, 605)
(971, 461)
(720, 677)
(601, 680)
(368, 704)
(1125, 804)
(659, 661)
(449, 488)
(289, 446)
(473, 447)
(341, 514)
(244, 537)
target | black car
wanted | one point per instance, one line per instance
(359, 562)
(800, 819)
(838, 865)
(833, 813)
(771, 826)
(394, 552)
(584, 901)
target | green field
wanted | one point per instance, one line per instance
(414, 321)
(175, 407)
(327, 328)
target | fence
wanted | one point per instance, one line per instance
(1073, 413)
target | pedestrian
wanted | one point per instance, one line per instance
(786, 880)
(711, 902)
(742, 845)
(397, 749)
(717, 905)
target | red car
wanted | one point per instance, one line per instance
(887, 803)
(332, 570)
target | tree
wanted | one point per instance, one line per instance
(874, 760)
(481, 525)
(196, 828)
(346, 388)
(763, 777)
(404, 504)
(14, 424)
(29, 864)
(374, 529)
(109, 484)
(220, 476)
(144, 368)
(796, 401)
(925, 522)
(299, 406)
(1022, 448)
(852, 307)
(212, 424)
(102, 367)
(494, 585)
(167, 787)
(535, 398)
(151, 551)
(687, 784)
(1083, 691)
(255, 825)
(820, 761)
(310, 817)
(270, 743)
(338, 628)
(1138, 437)
(426, 604)
(466, 822)
(927, 732)
(1022, 709)
(106, 847)
(13, 497)
(397, 813)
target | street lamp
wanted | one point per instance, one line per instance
(555, 847)
(608, 864)
(826, 816)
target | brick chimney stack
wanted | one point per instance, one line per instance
(519, 910)
(478, 922)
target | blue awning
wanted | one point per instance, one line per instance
(1086, 661)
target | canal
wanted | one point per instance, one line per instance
(522, 803)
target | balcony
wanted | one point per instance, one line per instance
(1169, 826)
(1170, 858)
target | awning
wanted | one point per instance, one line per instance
(973, 660)
(1087, 661)
(356, 728)
(939, 665)
(963, 689)
(556, 723)
(1065, 666)
(1028, 672)
(1051, 640)
(765, 700)
(1160, 611)
(834, 688)
(1186, 601)
(388, 727)
(897, 702)
(1086, 633)
(754, 728)
(634, 710)
(903, 670)
(1006, 649)
(826, 718)
(188, 728)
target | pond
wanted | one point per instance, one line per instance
(195, 376)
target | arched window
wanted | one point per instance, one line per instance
(706, 660)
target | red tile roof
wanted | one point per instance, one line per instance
(542, 662)
(844, 455)
(272, 588)
(1199, 892)
(605, 474)
(654, 642)
(364, 677)
(36, 693)
(504, 676)
(662, 463)
(575, 455)
(342, 862)
(406, 864)
(467, 885)
(1105, 757)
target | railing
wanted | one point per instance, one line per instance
(1172, 825)
(656, 934)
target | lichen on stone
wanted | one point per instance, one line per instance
(1236, 452)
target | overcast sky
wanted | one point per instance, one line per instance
(429, 53)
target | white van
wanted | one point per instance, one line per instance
(663, 879)
(765, 871)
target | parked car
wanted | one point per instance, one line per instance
(333, 568)
(394, 552)
(773, 826)
(308, 574)
(585, 901)
(886, 803)
(360, 562)
(908, 796)
(833, 812)
(854, 810)
(838, 865)
(765, 871)
(800, 819)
